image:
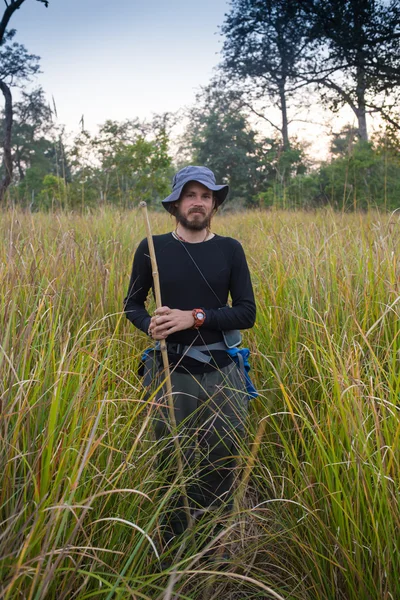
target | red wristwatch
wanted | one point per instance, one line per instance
(199, 317)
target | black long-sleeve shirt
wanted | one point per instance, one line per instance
(222, 262)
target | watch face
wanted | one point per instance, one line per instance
(200, 316)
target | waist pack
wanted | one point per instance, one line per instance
(149, 361)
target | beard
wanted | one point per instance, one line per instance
(199, 221)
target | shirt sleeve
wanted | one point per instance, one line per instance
(242, 313)
(139, 285)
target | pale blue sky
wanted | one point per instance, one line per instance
(121, 59)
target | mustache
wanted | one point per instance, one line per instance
(197, 209)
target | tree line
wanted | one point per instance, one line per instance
(346, 51)
(277, 56)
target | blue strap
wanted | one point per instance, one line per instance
(241, 357)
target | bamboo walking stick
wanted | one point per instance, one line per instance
(164, 355)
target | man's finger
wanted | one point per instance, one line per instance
(162, 327)
(162, 321)
(163, 310)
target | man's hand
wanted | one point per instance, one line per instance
(169, 320)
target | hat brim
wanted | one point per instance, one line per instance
(221, 192)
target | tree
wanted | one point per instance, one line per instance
(349, 49)
(220, 137)
(359, 59)
(267, 43)
(33, 130)
(125, 162)
(360, 175)
(16, 64)
(11, 7)
(37, 146)
(139, 170)
(343, 142)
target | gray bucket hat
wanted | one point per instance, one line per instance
(202, 175)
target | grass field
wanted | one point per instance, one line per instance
(81, 500)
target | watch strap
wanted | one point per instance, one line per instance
(199, 317)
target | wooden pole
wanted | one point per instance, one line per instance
(164, 355)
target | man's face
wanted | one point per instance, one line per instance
(195, 206)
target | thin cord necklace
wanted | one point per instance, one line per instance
(179, 237)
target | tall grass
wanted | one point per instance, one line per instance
(81, 500)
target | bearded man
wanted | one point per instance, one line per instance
(198, 271)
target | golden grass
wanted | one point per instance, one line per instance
(81, 500)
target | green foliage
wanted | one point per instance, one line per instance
(16, 64)
(16, 67)
(219, 136)
(125, 163)
(41, 191)
(140, 170)
(37, 150)
(226, 145)
(26, 191)
(286, 165)
(367, 177)
(53, 193)
(342, 143)
(129, 161)
(33, 133)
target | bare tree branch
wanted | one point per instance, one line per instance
(260, 115)
(334, 86)
(8, 13)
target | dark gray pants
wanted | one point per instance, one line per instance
(210, 411)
